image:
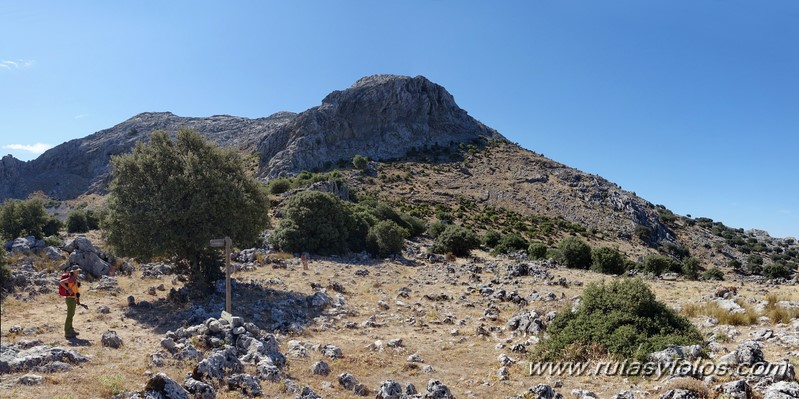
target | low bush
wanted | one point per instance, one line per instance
(537, 250)
(77, 222)
(754, 264)
(386, 238)
(315, 222)
(436, 229)
(510, 243)
(574, 253)
(360, 162)
(608, 260)
(658, 264)
(778, 270)
(690, 268)
(714, 273)
(456, 240)
(490, 239)
(278, 186)
(52, 227)
(621, 318)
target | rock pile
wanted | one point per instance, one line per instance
(35, 356)
(233, 344)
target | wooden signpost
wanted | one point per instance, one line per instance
(227, 243)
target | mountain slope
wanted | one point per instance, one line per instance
(431, 153)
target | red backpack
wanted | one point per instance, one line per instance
(61, 290)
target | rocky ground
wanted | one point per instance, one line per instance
(418, 326)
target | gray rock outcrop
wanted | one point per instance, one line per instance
(86, 256)
(23, 356)
(379, 117)
(782, 390)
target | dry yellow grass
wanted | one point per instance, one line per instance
(465, 362)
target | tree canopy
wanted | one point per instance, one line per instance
(169, 198)
(22, 217)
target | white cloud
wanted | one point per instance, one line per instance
(81, 116)
(37, 148)
(15, 65)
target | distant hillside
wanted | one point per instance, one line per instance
(432, 157)
(82, 165)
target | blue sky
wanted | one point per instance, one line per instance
(690, 104)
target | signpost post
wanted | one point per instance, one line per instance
(227, 243)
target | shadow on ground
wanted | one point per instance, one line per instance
(78, 342)
(270, 309)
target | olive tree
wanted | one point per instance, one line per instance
(169, 198)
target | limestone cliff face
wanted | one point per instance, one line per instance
(11, 172)
(379, 117)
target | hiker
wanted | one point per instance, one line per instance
(71, 287)
(304, 259)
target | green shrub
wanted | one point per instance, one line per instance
(574, 253)
(675, 250)
(608, 260)
(714, 273)
(690, 268)
(622, 318)
(386, 238)
(537, 250)
(77, 222)
(456, 240)
(52, 227)
(510, 243)
(778, 270)
(278, 185)
(22, 217)
(315, 222)
(754, 264)
(658, 264)
(54, 241)
(94, 218)
(360, 162)
(490, 239)
(413, 225)
(436, 228)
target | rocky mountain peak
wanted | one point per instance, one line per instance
(379, 117)
(378, 79)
